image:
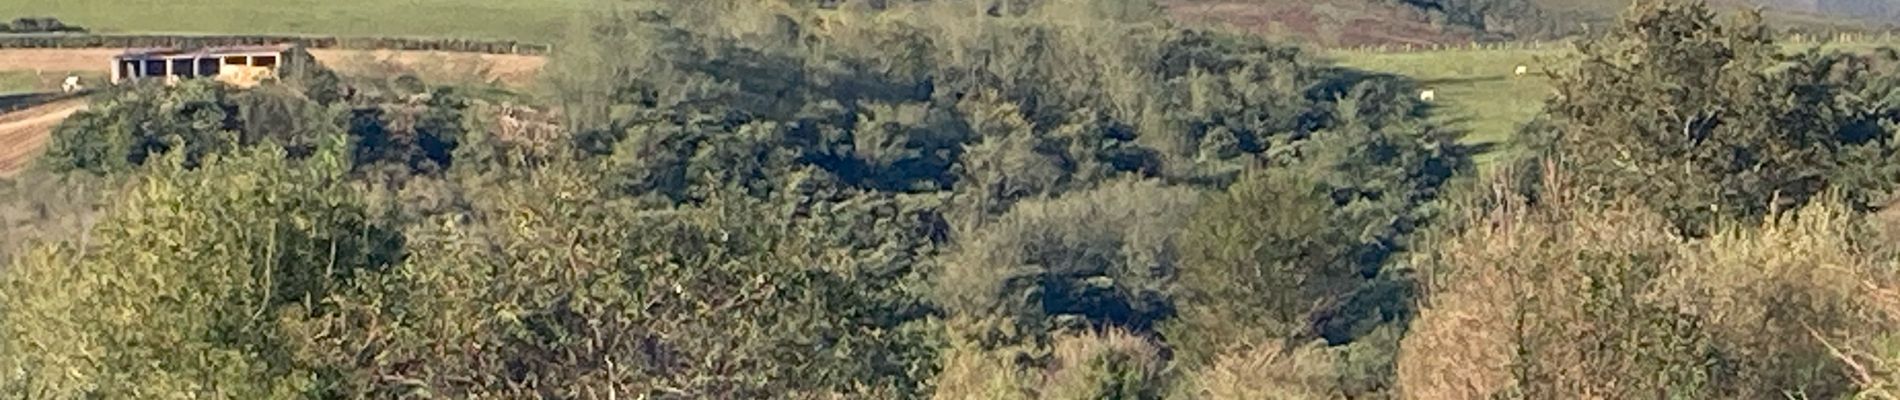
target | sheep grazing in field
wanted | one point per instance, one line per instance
(71, 84)
(1428, 95)
(1521, 70)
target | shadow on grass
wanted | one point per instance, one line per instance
(1479, 148)
(1466, 146)
(1446, 118)
(1463, 81)
(19, 101)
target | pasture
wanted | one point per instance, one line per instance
(1477, 90)
(541, 21)
(1478, 93)
(27, 81)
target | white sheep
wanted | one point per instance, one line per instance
(1428, 95)
(71, 84)
(1521, 70)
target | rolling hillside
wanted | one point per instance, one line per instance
(1323, 22)
(1880, 11)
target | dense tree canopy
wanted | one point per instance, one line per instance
(1709, 119)
(1054, 199)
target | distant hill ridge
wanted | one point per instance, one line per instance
(1884, 11)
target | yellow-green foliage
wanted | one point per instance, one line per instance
(1269, 371)
(1571, 299)
(559, 293)
(1106, 365)
(177, 293)
(1069, 199)
(38, 206)
(971, 371)
(1113, 364)
(1092, 257)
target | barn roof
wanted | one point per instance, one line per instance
(168, 52)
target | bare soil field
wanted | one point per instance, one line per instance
(433, 66)
(509, 70)
(57, 59)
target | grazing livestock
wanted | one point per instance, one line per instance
(1428, 95)
(71, 85)
(1521, 70)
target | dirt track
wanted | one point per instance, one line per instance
(23, 134)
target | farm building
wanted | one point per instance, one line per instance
(243, 66)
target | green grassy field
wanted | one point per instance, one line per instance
(18, 82)
(29, 81)
(541, 21)
(1477, 89)
(1479, 94)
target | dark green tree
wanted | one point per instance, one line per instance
(1703, 119)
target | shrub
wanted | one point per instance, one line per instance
(1703, 120)
(1572, 298)
(566, 295)
(39, 25)
(1270, 371)
(973, 371)
(1113, 364)
(181, 288)
(37, 207)
(203, 119)
(1256, 260)
(1108, 365)
(1092, 259)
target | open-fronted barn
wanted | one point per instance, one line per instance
(237, 65)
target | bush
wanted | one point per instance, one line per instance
(1269, 371)
(204, 119)
(1094, 259)
(197, 119)
(186, 282)
(973, 371)
(1573, 298)
(1703, 120)
(39, 25)
(37, 207)
(1256, 260)
(1109, 365)
(566, 295)
(1112, 364)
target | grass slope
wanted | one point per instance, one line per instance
(532, 20)
(23, 81)
(1326, 22)
(1477, 90)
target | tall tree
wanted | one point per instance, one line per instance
(1706, 119)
